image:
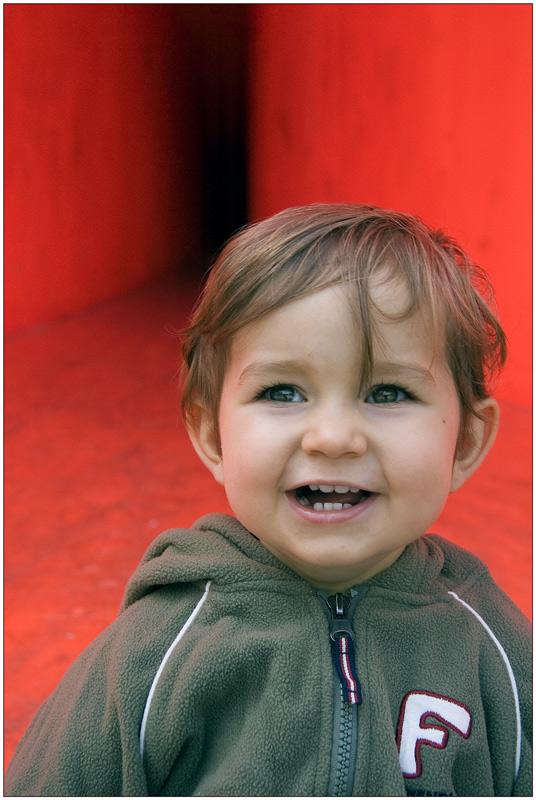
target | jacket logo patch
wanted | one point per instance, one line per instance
(414, 728)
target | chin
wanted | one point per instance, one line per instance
(327, 576)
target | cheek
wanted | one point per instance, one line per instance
(425, 456)
(245, 449)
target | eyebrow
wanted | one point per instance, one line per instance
(262, 368)
(415, 371)
(283, 367)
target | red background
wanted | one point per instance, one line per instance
(137, 137)
(101, 189)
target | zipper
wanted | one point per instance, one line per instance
(346, 689)
(342, 646)
(344, 748)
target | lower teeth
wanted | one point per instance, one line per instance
(322, 506)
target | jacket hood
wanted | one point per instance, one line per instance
(219, 548)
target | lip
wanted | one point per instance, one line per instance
(328, 517)
(330, 482)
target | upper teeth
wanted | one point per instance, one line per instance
(339, 489)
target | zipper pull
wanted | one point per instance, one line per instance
(339, 624)
(342, 648)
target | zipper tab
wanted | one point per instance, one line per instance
(342, 647)
(339, 624)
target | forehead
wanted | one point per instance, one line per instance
(304, 323)
(327, 325)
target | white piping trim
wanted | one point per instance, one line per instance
(156, 678)
(510, 674)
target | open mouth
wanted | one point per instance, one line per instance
(330, 498)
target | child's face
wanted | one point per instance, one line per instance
(292, 419)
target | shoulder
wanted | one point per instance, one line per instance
(469, 580)
(216, 548)
(436, 574)
(183, 555)
(459, 565)
(469, 583)
(87, 732)
(499, 632)
(495, 641)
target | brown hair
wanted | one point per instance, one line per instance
(302, 250)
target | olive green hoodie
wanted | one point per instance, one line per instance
(217, 679)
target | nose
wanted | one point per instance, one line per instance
(335, 433)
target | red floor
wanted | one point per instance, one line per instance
(97, 463)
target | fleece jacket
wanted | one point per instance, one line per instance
(218, 679)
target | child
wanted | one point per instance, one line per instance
(337, 375)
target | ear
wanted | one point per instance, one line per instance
(483, 432)
(205, 439)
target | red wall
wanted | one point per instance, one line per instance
(422, 108)
(101, 189)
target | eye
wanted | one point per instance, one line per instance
(282, 394)
(388, 393)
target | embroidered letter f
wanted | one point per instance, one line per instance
(414, 730)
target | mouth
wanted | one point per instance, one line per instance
(320, 497)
